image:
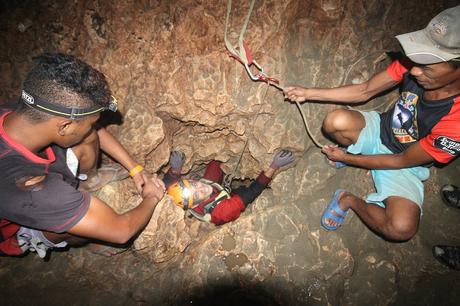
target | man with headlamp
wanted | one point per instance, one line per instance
(46, 142)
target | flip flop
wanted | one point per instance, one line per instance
(448, 255)
(335, 164)
(334, 212)
(450, 195)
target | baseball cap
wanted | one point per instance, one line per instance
(438, 42)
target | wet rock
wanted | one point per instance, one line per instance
(365, 284)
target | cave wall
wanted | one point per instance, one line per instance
(178, 89)
(175, 83)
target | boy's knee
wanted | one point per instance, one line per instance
(402, 229)
(336, 120)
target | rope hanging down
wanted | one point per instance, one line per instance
(243, 54)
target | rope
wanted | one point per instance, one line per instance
(312, 137)
(347, 73)
(242, 51)
(243, 55)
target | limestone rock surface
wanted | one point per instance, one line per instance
(177, 88)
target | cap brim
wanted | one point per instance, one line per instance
(420, 49)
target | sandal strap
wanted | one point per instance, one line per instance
(333, 217)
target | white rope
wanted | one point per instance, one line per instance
(242, 55)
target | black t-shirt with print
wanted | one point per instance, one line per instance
(413, 118)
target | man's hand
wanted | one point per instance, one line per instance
(334, 153)
(153, 188)
(139, 180)
(177, 161)
(295, 93)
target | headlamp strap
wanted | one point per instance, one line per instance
(185, 196)
(68, 112)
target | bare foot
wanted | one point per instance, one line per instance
(104, 175)
(105, 250)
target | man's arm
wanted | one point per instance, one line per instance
(281, 159)
(103, 223)
(350, 94)
(413, 156)
(249, 194)
(111, 146)
(115, 149)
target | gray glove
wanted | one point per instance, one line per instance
(282, 158)
(177, 160)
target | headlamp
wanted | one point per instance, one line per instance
(68, 112)
(185, 193)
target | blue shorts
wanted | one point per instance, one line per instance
(405, 183)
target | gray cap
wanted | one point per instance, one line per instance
(438, 42)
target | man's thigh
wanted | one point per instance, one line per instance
(403, 213)
(87, 152)
(399, 183)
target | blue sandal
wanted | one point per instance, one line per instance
(335, 164)
(338, 215)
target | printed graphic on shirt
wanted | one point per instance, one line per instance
(448, 145)
(404, 123)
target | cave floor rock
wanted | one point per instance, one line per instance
(374, 272)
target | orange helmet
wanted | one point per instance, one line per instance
(181, 193)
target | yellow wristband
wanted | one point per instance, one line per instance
(135, 170)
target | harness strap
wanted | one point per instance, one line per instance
(208, 208)
(204, 218)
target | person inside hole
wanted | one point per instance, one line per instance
(206, 199)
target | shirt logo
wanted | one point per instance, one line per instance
(28, 98)
(447, 145)
(404, 123)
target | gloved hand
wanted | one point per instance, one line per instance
(177, 160)
(282, 158)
